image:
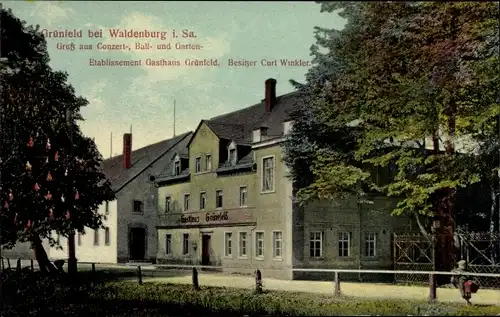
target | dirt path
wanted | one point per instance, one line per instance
(382, 291)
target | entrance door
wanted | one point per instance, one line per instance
(137, 244)
(205, 249)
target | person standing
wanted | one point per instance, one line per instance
(461, 280)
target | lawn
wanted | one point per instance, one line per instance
(32, 294)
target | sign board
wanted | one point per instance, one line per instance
(241, 215)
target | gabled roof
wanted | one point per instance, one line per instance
(238, 125)
(141, 159)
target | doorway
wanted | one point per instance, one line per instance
(137, 244)
(205, 249)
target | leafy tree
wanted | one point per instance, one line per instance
(51, 178)
(417, 84)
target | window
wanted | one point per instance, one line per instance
(277, 244)
(168, 204)
(168, 244)
(177, 167)
(208, 162)
(107, 236)
(228, 244)
(79, 239)
(185, 243)
(107, 208)
(203, 200)
(344, 244)
(96, 237)
(198, 165)
(259, 244)
(232, 156)
(268, 174)
(243, 244)
(316, 244)
(186, 201)
(218, 199)
(137, 206)
(371, 244)
(243, 196)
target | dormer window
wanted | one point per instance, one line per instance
(287, 127)
(232, 154)
(177, 167)
(259, 134)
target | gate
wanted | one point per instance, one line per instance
(412, 252)
(481, 250)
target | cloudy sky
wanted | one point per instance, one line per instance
(144, 96)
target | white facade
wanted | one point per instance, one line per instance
(92, 247)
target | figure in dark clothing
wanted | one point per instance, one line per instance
(460, 280)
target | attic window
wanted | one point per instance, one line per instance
(137, 206)
(177, 168)
(232, 155)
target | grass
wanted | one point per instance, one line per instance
(32, 294)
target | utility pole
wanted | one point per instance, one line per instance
(71, 237)
(111, 145)
(174, 117)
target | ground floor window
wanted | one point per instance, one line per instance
(243, 244)
(371, 244)
(259, 244)
(316, 244)
(96, 236)
(277, 244)
(107, 236)
(185, 243)
(168, 244)
(228, 244)
(344, 244)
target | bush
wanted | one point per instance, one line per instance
(32, 294)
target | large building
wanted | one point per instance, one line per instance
(226, 201)
(131, 219)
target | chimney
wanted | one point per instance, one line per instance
(270, 98)
(127, 150)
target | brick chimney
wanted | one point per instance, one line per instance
(127, 150)
(270, 98)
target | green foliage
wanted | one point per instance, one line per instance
(50, 172)
(417, 85)
(28, 295)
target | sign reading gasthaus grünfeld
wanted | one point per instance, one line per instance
(240, 215)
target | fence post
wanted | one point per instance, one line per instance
(18, 265)
(8, 263)
(432, 288)
(196, 286)
(32, 267)
(336, 283)
(258, 282)
(139, 275)
(93, 268)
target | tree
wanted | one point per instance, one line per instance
(416, 83)
(51, 174)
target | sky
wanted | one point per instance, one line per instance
(143, 96)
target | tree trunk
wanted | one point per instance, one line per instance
(422, 228)
(41, 256)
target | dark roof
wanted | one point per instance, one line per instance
(228, 131)
(141, 159)
(238, 125)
